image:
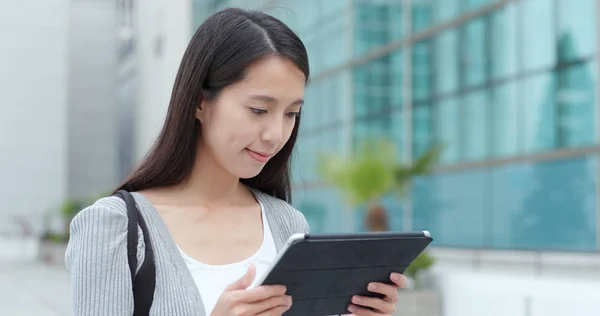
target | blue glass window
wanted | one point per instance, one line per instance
(544, 205)
(506, 115)
(575, 98)
(474, 54)
(576, 29)
(539, 113)
(470, 5)
(504, 42)
(370, 26)
(362, 85)
(332, 43)
(476, 125)
(397, 132)
(445, 9)
(446, 61)
(421, 70)
(396, 77)
(537, 42)
(422, 14)
(422, 128)
(395, 20)
(447, 129)
(451, 206)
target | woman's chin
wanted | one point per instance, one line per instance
(249, 172)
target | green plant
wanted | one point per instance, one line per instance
(423, 165)
(365, 176)
(55, 237)
(372, 172)
(70, 208)
(67, 211)
(422, 262)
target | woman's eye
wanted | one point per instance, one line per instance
(293, 114)
(258, 111)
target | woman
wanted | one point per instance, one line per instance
(214, 188)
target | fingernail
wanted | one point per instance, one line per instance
(355, 299)
(371, 287)
(351, 308)
(396, 277)
(289, 300)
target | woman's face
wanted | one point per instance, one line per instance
(252, 120)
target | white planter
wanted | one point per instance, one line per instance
(419, 303)
(19, 249)
(421, 297)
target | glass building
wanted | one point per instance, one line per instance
(509, 87)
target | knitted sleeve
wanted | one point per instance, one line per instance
(96, 258)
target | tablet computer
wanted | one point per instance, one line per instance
(323, 271)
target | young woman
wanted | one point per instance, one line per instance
(214, 189)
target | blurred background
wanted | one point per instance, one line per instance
(476, 120)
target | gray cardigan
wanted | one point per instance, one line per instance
(97, 258)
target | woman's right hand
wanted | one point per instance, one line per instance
(266, 300)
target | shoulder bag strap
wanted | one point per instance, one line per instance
(144, 281)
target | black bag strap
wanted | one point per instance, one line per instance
(144, 281)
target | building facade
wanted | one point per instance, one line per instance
(508, 87)
(127, 78)
(26, 152)
(57, 108)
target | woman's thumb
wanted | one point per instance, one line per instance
(244, 281)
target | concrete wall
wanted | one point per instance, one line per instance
(33, 108)
(127, 96)
(163, 29)
(93, 131)
(517, 283)
(57, 106)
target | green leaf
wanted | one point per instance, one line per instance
(373, 171)
(366, 175)
(70, 208)
(425, 163)
(422, 262)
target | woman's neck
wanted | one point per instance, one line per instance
(210, 183)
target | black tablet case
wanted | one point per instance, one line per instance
(318, 290)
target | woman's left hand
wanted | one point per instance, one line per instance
(371, 306)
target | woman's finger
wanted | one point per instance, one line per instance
(275, 302)
(275, 311)
(389, 291)
(400, 280)
(261, 293)
(361, 311)
(380, 305)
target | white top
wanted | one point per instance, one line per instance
(212, 280)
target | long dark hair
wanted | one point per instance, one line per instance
(215, 58)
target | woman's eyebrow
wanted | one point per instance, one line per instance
(270, 99)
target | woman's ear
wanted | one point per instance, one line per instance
(201, 111)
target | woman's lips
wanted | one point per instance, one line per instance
(260, 157)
